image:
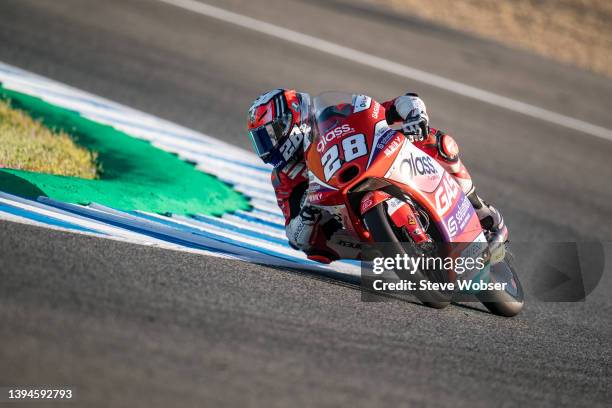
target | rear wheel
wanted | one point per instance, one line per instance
(379, 226)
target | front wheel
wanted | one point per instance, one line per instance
(508, 302)
(380, 228)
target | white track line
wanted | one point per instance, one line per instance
(392, 67)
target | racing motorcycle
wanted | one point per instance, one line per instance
(386, 191)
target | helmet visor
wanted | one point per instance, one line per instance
(266, 138)
(263, 143)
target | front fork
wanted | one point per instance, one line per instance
(401, 213)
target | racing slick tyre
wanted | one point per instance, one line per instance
(508, 302)
(379, 226)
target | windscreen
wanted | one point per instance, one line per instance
(329, 110)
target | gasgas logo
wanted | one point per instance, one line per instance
(446, 194)
(333, 134)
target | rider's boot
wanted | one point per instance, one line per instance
(490, 218)
(319, 250)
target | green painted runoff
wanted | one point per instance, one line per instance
(134, 174)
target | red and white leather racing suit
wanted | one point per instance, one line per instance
(309, 233)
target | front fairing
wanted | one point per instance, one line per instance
(343, 127)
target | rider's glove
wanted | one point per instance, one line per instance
(413, 112)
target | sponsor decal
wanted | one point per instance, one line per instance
(366, 203)
(348, 244)
(393, 146)
(460, 217)
(371, 199)
(314, 197)
(362, 102)
(382, 134)
(419, 165)
(445, 194)
(385, 136)
(451, 224)
(463, 211)
(375, 110)
(333, 134)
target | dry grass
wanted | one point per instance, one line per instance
(27, 144)
(578, 32)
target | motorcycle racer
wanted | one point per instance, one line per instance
(279, 120)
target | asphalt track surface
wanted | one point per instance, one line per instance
(134, 326)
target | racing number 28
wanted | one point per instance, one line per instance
(353, 147)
